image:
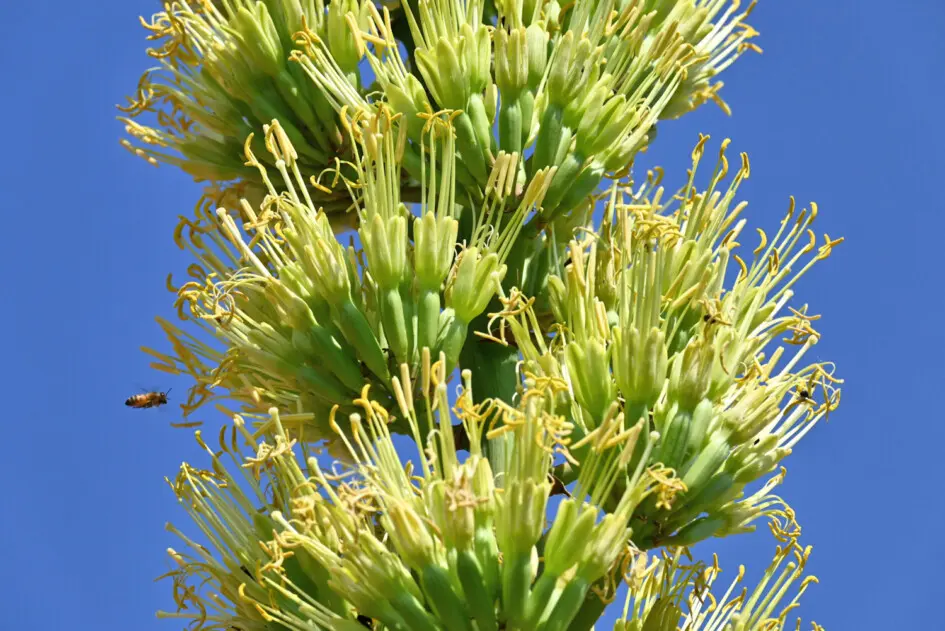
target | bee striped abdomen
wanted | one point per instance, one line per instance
(146, 400)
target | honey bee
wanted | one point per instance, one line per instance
(147, 400)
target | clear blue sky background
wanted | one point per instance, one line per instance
(844, 108)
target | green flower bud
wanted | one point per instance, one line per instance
(226, 74)
(385, 245)
(443, 74)
(380, 569)
(537, 46)
(520, 515)
(602, 121)
(476, 51)
(409, 535)
(407, 98)
(452, 512)
(691, 373)
(640, 365)
(753, 412)
(761, 464)
(328, 269)
(341, 41)
(434, 249)
(511, 61)
(583, 111)
(484, 489)
(606, 542)
(491, 101)
(570, 65)
(473, 283)
(557, 298)
(254, 27)
(569, 535)
(589, 369)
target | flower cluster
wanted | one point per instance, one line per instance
(578, 85)
(648, 333)
(435, 544)
(304, 321)
(224, 71)
(672, 593)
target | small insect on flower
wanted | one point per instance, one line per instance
(147, 399)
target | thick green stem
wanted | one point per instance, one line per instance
(359, 334)
(473, 155)
(428, 319)
(516, 583)
(494, 377)
(510, 124)
(549, 139)
(391, 308)
(478, 598)
(589, 613)
(451, 338)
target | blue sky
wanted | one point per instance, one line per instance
(840, 109)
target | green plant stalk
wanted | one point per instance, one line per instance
(414, 615)
(494, 367)
(480, 120)
(329, 353)
(519, 261)
(703, 528)
(706, 464)
(565, 178)
(410, 315)
(575, 611)
(391, 308)
(473, 154)
(451, 338)
(516, 583)
(356, 329)
(387, 615)
(315, 99)
(311, 571)
(320, 382)
(449, 608)
(675, 441)
(585, 184)
(510, 124)
(487, 553)
(292, 96)
(549, 138)
(538, 598)
(264, 109)
(481, 601)
(720, 490)
(428, 319)
(534, 279)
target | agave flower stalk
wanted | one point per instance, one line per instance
(638, 365)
